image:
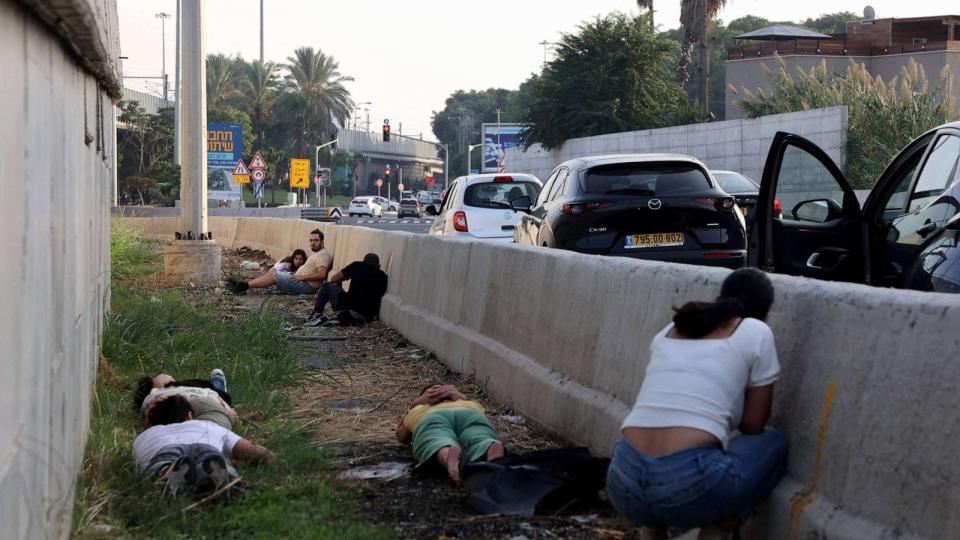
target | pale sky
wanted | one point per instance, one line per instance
(407, 57)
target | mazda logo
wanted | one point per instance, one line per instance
(654, 204)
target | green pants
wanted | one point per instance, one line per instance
(466, 428)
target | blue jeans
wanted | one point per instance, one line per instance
(329, 292)
(698, 486)
(287, 285)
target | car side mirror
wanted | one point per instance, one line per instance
(521, 204)
(817, 210)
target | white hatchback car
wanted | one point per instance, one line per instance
(478, 206)
(365, 206)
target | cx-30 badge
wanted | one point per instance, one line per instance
(654, 204)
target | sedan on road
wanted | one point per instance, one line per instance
(480, 206)
(906, 235)
(365, 206)
(410, 207)
(663, 207)
(387, 204)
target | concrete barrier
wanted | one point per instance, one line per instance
(867, 400)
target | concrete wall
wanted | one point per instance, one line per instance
(749, 73)
(867, 400)
(737, 145)
(56, 124)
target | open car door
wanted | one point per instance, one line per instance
(809, 222)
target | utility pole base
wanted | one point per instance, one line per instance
(196, 261)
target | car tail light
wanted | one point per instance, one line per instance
(725, 203)
(777, 207)
(720, 255)
(460, 221)
(503, 179)
(579, 208)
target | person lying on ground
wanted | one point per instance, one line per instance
(208, 399)
(305, 280)
(184, 453)
(711, 371)
(361, 304)
(442, 424)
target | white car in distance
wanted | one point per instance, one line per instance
(365, 206)
(479, 206)
(387, 204)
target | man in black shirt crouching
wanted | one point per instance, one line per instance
(359, 305)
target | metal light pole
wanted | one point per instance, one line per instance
(261, 32)
(176, 94)
(470, 148)
(163, 48)
(316, 161)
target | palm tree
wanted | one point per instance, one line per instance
(259, 87)
(222, 77)
(696, 18)
(315, 101)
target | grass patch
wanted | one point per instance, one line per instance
(152, 330)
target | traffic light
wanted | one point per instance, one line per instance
(386, 132)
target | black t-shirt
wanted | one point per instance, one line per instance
(368, 284)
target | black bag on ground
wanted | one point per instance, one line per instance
(538, 482)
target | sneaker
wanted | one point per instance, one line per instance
(177, 478)
(313, 323)
(313, 315)
(218, 380)
(219, 472)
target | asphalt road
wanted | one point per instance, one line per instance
(389, 221)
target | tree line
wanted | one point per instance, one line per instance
(285, 109)
(617, 73)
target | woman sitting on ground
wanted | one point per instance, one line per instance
(711, 371)
(291, 263)
(442, 424)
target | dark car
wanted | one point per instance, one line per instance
(905, 235)
(648, 206)
(409, 207)
(743, 189)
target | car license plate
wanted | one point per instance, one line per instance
(653, 240)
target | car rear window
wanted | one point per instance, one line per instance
(498, 194)
(735, 183)
(359, 201)
(653, 179)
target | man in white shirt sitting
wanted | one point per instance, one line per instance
(186, 453)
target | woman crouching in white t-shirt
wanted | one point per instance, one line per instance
(711, 371)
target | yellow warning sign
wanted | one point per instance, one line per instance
(299, 173)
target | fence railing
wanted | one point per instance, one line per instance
(373, 143)
(815, 47)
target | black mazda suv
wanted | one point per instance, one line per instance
(663, 207)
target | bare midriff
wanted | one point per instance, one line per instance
(658, 442)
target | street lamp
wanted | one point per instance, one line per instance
(163, 48)
(316, 161)
(470, 148)
(357, 106)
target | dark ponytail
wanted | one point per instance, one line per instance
(746, 292)
(697, 319)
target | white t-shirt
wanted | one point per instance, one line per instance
(282, 266)
(153, 439)
(700, 383)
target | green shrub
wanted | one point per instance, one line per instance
(883, 116)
